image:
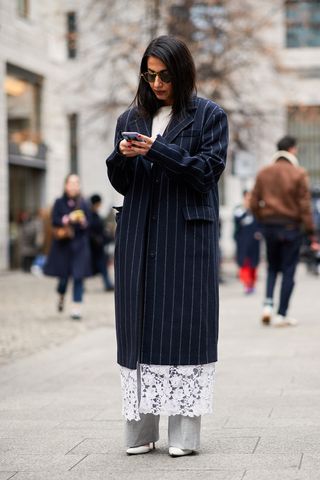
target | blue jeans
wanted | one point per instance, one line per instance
(77, 288)
(283, 245)
(101, 266)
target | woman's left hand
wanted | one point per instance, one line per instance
(143, 147)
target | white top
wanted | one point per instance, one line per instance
(161, 121)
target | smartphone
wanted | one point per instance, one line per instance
(131, 136)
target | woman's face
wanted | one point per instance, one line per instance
(72, 186)
(163, 91)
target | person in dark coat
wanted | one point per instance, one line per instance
(70, 253)
(247, 237)
(166, 249)
(99, 238)
(31, 238)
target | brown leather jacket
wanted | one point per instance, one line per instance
(281, 195)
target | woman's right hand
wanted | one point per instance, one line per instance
(125, 148)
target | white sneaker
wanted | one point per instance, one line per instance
(282, 321)
(267, 314)
(179, 452)
(76, 311)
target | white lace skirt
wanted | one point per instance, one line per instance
(167, 390)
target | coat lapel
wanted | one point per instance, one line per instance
(178, 124)
(142, 125)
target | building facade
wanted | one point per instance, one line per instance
(67, 68)
(58, 106)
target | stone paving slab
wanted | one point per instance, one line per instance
(268, 423)
(281, 475)
(7, 475)
(22, 427)
(133, 475)
(212, 445)
(161, 460)
(36, 462)
(311, 462)
(34, 445)
(290, 444)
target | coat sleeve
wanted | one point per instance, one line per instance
(119, 167)
(57, 213)
(200, 171)
(255, 200)
(304, 200)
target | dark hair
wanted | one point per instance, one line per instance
(176, 56)
(286, 143)
(94, 199)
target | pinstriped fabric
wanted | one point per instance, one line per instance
(175, 249)
(167, 239)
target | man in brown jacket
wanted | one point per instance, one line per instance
(281, 203)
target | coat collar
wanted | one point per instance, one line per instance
(176, 125)
(286, 155)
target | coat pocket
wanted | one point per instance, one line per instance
(201, 212)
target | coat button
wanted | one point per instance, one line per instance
(152, 254)
(154, 217)
(157, 180)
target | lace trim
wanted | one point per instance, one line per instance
(167, 390)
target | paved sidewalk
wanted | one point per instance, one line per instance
(60, 407)
(29, 319)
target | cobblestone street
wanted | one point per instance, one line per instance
(29, 318)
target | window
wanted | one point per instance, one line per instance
(23, 7)
(72, 34)
(303, 23)
(23, 90)
(73, 142)
(304, 124)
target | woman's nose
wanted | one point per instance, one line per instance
(157, 80)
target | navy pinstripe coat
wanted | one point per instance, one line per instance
(166, 253)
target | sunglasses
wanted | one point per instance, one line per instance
(150, 77)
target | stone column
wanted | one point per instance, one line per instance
(4, 173)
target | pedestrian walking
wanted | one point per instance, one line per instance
(99, 239)
(69, 256)
(281, 202)
(166, 251)
(247, 237)
(30, 238)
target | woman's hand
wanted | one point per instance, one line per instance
(132, 148)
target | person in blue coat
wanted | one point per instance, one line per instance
(247, 235)
(99, 238)
(166, 249)
(69, 256)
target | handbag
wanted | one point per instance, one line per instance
(65, 232)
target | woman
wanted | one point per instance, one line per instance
(166, 252)
(70, 251)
